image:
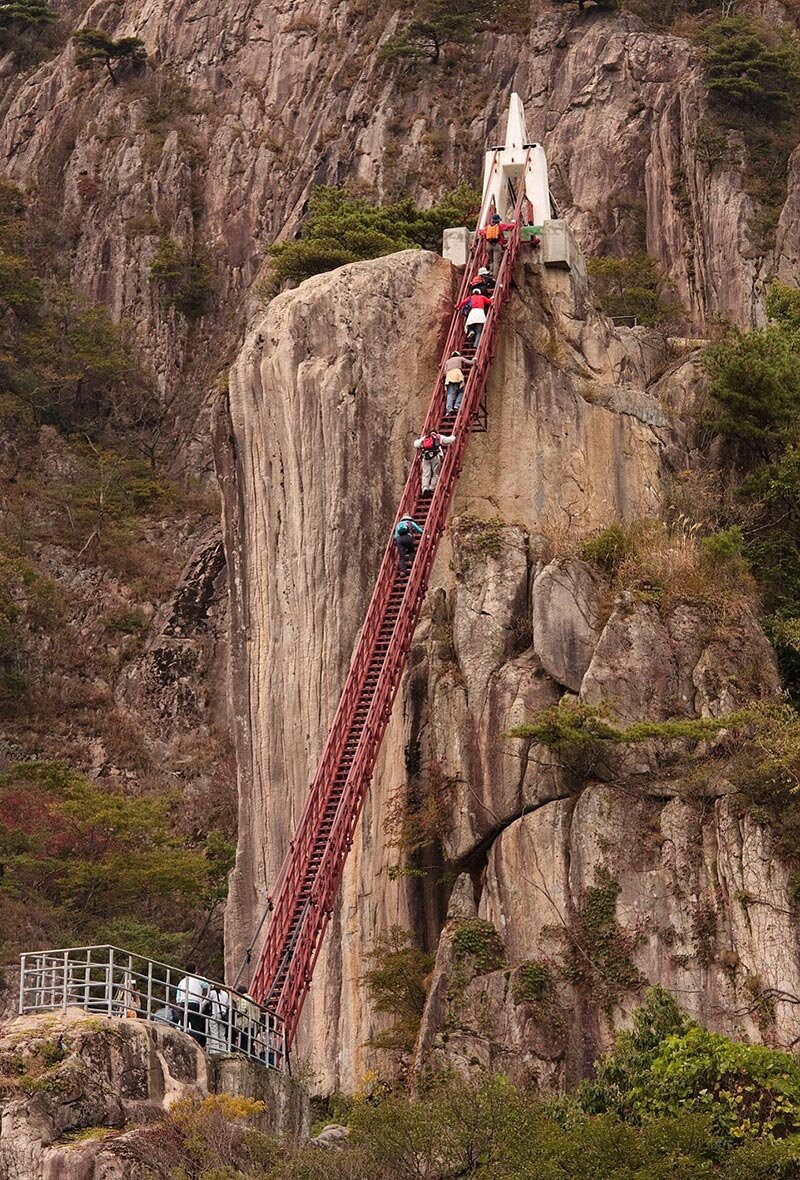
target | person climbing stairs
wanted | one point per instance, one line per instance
(303, 897)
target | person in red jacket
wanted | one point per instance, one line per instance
(495, 235)
(476, 306)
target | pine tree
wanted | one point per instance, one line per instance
(96, 48)
(751, 67)
(25, 14)
(436, 23)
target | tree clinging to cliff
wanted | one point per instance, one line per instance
(436, 23)
(26, 14)
(96, 48)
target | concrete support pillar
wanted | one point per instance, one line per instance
(455, 245)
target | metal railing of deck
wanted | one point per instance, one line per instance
(108, 981)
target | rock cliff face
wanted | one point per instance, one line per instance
(219, 140)
(217, 144)
(585, 426)
(76, 1088)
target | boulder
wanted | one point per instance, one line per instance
(568, 603)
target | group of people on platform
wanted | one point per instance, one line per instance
(475, 308)
(221, 1021)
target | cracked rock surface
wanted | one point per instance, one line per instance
(505, 631)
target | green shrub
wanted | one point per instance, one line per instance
(532, 983)
(783, 305)
(480, 537)
(724, 550)
(755, 379)
(340, 228)
(26, 14)
(127, 622)
(597, 951)
(186, 280)
(572, 724)
(477, 941)
(96, 48)
(749, 1091)
(436, 23)
(608, 549)
(395, 984)
(633, 287)
(751, 67)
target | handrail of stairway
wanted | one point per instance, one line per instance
(328, 876)
(296, 859)
(295, 865)
(308, 946)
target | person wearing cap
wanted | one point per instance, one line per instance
(404, 534)
(430, 449)
(494, 235)
(454, 381)
(476, 306)
(484, 281)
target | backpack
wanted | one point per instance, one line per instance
(403, 530)
(493, 233)
(430, 446)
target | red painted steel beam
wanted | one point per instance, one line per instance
(306, 888)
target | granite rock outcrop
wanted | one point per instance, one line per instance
(514, 618)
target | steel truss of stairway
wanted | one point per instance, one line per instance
(305, 891)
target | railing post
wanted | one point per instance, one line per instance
(110, 981)
(66, 981)
(149, 1002)
(22, 970)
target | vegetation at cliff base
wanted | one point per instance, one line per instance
(670, 1101)
(339, 228)
(667, 1066)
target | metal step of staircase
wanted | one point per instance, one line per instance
(304, 894)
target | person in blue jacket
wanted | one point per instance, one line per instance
(404, 534)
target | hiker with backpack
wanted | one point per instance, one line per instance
(495, 236)
(483, 281)
(430, 447)
(454, 382)
(476, 306)
(404, 535)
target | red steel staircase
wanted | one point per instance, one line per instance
(304, 893)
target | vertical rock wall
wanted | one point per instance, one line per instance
(325, 398)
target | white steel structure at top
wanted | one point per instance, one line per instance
(504, 168)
